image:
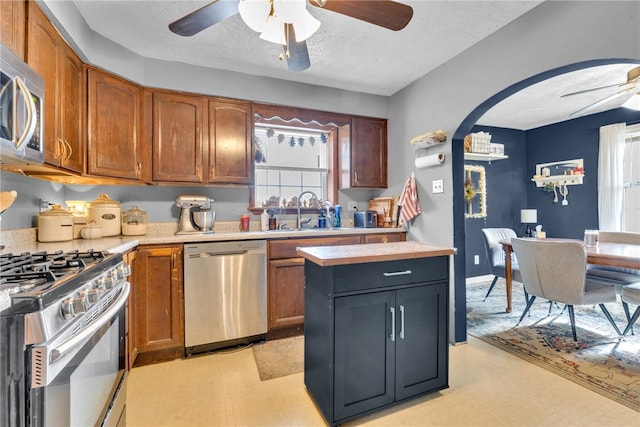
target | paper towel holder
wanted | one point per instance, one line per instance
(431, 160)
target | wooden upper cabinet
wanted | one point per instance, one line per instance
(12, 26)
(230, 148)
(65, 96)
(114, 117)
(363, 153)
(178, 142)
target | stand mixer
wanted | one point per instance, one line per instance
(196, 215)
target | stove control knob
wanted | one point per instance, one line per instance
(71, 307)
(106, 283)
(92, 296)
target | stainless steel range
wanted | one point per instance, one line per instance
(62, 357)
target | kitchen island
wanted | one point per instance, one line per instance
(376, 325)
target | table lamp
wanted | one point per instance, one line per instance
(529, 216)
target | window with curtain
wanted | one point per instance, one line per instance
(631, 179)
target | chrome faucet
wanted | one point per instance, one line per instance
(298, 219)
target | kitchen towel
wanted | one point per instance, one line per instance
(409, 201)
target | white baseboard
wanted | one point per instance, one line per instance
(479, 279)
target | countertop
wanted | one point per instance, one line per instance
(355, 254)
(25, 240)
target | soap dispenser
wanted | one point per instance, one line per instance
(264, 220)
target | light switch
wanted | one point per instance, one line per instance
(438, 186)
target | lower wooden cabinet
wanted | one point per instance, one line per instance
(157, 298)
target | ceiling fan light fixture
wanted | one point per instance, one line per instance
(274, 31)
(295, 12)
(305, 25)
(255, 13)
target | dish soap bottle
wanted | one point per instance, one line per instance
(336, 218)
(322, 220)
(272, 220)
(264, 220)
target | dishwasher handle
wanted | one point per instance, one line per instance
(220, 253)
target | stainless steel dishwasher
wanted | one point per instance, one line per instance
(225, 294)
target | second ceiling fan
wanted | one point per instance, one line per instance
(289, 23)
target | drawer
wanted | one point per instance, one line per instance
(280, 249)
(360, 277)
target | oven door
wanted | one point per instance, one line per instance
(81, 380)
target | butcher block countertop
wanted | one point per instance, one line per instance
(326, 256)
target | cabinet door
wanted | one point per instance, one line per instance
(421, 345)
(12, 25)
(72, 110)
(286, 293)
(364, 353)
(43, 54)
(159, 301)
(230, 148)
(368, 153)
(177, 137)
(114, 115)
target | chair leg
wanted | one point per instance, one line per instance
(495, 279)
(532, 298)
(633, 319)
(609, 318)
(572, 318)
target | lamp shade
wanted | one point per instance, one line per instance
(633, 102)
(528, 216)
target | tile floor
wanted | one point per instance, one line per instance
(488, 387)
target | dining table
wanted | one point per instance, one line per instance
(609, 254)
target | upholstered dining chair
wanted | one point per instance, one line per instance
(557, 271)
(495, 255)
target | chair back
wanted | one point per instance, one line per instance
(554, 270)
(619, 237)
(495, 253)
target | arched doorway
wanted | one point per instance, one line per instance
(458, 176)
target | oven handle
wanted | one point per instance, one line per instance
(70, 344)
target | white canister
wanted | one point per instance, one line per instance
(106, 213)
(55, 225)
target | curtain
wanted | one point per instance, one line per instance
(610, 179)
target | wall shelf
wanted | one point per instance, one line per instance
(484, 157)
(561, 179)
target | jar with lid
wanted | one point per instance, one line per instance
(134, 222)
(55, 225)
(106, 213)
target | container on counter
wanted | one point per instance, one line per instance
(272, 220)
(78, 209)
(264, 220)
(134, 222)
(245, 222)
(92, 231)
(106, 213)
(55, 225)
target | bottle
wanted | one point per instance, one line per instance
(322, 220)
(264, 220)
(272, 220)
(336, 218)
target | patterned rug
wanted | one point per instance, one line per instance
(600, 361)
(279, 358)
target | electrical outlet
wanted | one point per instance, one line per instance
(476, 259)
(438, 186)
(353, 205)
(44, 205)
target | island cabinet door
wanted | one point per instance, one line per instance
(364, 353)
(421, 344)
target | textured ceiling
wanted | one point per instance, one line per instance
(353, 55)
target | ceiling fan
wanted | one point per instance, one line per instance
(631, 85)
(289, 23)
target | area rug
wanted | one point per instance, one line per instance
(600, 361)
(279, 358)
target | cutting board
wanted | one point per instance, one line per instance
(384, 206)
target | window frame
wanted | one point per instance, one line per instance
(300, 117)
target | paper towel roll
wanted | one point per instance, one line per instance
(432, 160)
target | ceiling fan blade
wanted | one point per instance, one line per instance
(598, 103)
(590, 90)
(383, 13)
(204, 17)
(298, 59)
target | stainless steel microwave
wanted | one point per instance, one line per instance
(21, 111)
